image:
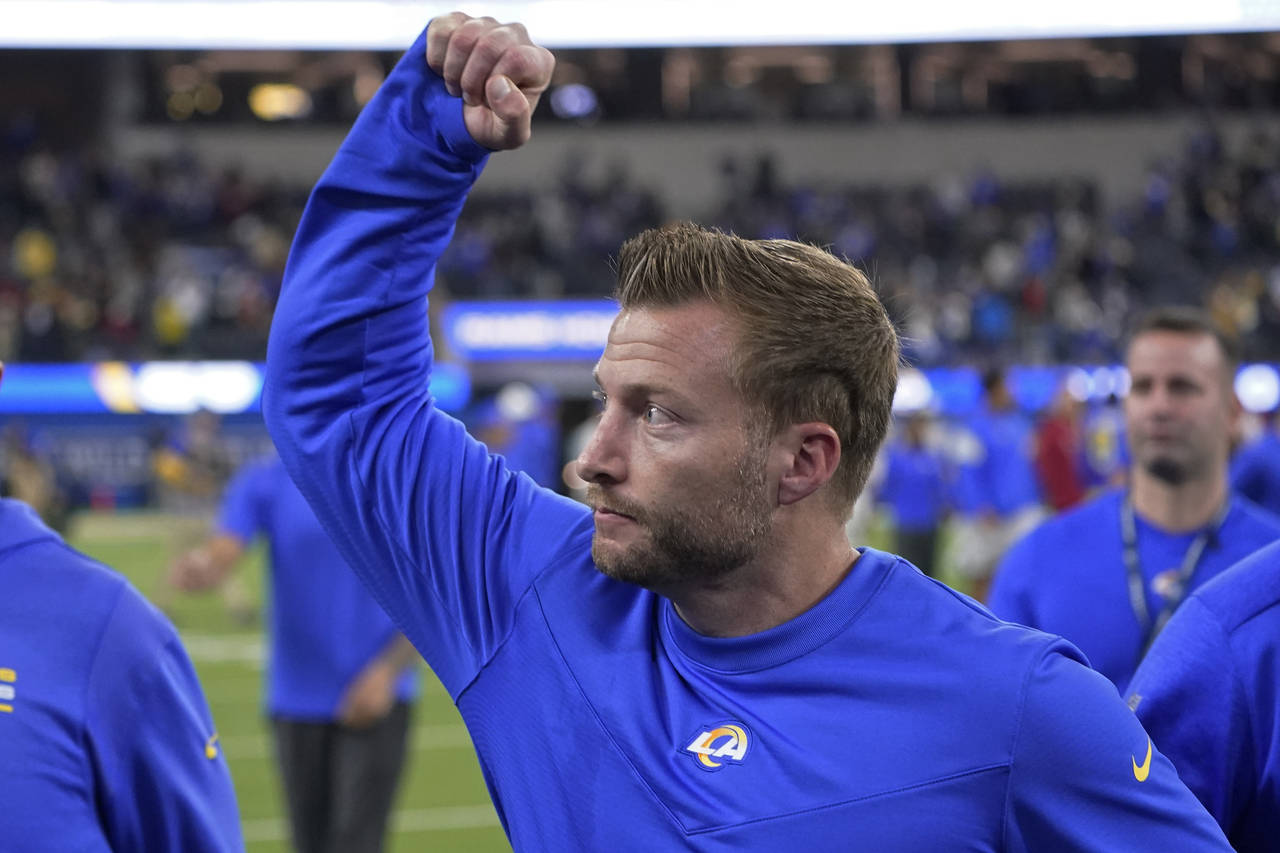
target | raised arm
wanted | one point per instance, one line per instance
(444, 536)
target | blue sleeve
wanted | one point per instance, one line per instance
(1189, 695)
(1011, 597)
(241, 513)
(1085, 778)
(162, 782)
(446, 538)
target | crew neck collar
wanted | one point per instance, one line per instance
(791, 639)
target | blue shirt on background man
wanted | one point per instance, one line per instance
(324, 625)
(1068, 576)
(914, 487)
(1209, 694)
(106, 741)
(893, 715)
(1002, 479)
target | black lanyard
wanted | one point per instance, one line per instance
(1138, 585)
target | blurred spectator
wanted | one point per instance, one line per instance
(1109, 574)
(341, 679)
(191, 466)
(1060, 452)
(520, 423)
(31, 478)
(997, 490)
(914, 489)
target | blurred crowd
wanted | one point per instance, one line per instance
(107, 259)
(110, 259)
(982, 270)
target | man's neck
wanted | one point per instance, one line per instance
(1180, 508)
(767, 593)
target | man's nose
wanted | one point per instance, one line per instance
(603, 460)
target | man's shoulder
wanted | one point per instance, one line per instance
(51, 588)
(1247, 595)
(62, 609)
(969, 631)
(1062, 536)
(47, 573)
(1255, 521)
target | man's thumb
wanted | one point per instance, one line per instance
(506, 101)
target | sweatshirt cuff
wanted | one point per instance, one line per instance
(453, 128)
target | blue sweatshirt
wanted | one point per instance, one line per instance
(1209, 693)
(1068, 576)
(895, 715)
(325, 628)
(105, 737)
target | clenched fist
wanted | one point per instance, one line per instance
(499, 73)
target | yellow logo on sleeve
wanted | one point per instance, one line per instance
(210, 747)
(1141, 771)
(7, 691)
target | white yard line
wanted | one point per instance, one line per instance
(436, 819)
(246, 648)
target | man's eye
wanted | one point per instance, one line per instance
(654, 415)
(599, 398)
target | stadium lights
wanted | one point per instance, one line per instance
(390, 24)
(1258, 388)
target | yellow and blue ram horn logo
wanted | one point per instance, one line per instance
(715, 746)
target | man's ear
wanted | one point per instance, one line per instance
(810, 455)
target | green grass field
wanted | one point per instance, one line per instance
(442, 805)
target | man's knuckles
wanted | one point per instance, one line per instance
(528, 65)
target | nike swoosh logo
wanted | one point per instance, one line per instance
(211, 749)
(1141, 771)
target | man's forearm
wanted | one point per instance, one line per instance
(351, 312)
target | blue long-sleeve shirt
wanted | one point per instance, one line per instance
(105, 737)
(601, 720)
(324, 627)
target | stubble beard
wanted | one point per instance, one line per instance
(697, 542)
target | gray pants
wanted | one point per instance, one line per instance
(340, 783)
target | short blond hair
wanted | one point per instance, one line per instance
(816, 343)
